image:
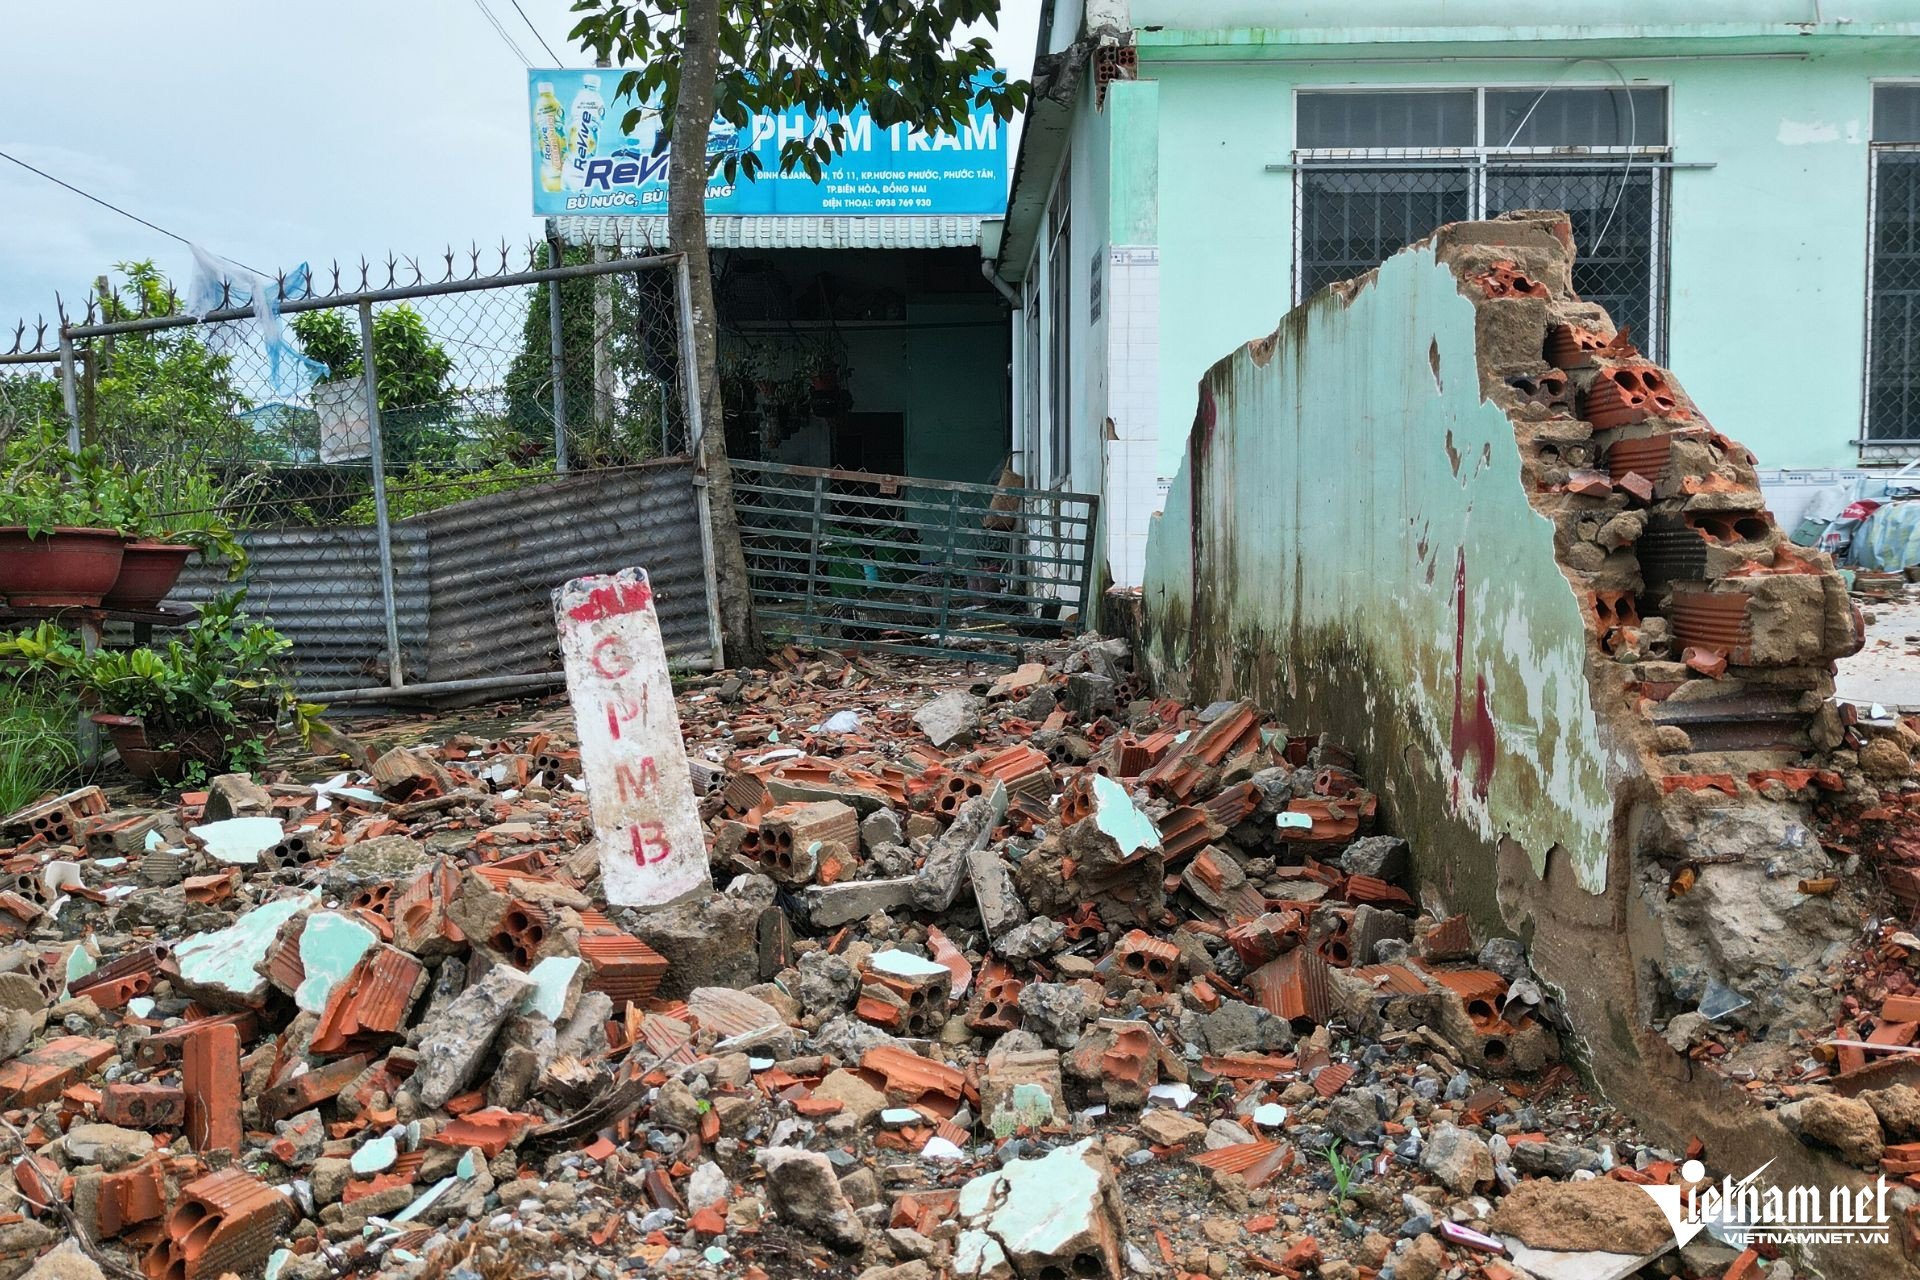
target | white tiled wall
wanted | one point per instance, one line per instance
(1132, 312)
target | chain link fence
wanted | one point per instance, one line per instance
(525, 422)
(1352, 215)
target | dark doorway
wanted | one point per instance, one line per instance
(875, 442)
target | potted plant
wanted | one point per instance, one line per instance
(823, 371)
(206, 701)
(166, 523)
(60, 539)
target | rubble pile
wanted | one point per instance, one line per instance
(1021, 975)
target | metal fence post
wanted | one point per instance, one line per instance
(69, 390)
(947, 567)
(556, 338)
(696, 432)
(814, 531)
(396, 676)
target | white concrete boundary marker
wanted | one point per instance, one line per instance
(645, 819)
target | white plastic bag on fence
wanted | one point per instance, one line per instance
(219, 283)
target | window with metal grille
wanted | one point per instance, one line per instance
(1893, 273)
(1375, 170)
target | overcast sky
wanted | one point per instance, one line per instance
(274, 133)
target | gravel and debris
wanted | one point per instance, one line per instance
(1007, 973)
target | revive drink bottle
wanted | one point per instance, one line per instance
(586, 113)
(550, 135)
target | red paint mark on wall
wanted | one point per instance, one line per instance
(612, 601)
(1472, 733)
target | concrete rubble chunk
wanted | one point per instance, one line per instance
(238, 841)
(1001, 907)
(1459, 1159)
(453, 1044)
(237, 795)
(66, 1261)
(381, 860)
(107, 1145)
(946, 867)
(222, 966)
(1058, 1215)
(858, 1099)
(827, 982)
(1597, 1214)
(951, 719)
(1057, 1011)
(1847, 1126)
(1022, 1089)
(708, 941)
(806, 1192)
(832, 905)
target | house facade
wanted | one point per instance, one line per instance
(1743, 181)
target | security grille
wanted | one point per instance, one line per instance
(1893, 309)
(1892, 420)
(1378, 170)
(1352, 216)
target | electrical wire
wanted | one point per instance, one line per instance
(536, 31)
(501, 31)
(1626, 171)
(108, 204)
(1633, 135)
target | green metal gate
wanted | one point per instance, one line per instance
(931, 567)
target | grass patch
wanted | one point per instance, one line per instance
(38, 753)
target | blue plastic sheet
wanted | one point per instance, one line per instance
(1890, 539)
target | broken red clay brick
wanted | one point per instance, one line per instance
(143, 1106)
(211, 1080)
(40, 1075)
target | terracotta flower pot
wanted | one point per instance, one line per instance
(149, 764)
(59, 568)
(155, 764)
(148, 571)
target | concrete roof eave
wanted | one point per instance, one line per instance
(1043, 140)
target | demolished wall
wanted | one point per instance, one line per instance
(1445, 513)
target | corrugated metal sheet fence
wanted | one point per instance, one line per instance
(472, 583)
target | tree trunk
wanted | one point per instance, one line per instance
(687, 221)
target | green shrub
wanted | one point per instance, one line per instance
(38, 751)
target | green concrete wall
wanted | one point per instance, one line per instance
(1363, 560)
(1788, 142)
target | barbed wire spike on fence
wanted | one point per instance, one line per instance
(365, 267)
(473, 260)
(391, 265)
(503, 257)
(415, 265)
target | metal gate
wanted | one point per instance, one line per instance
(933, 567)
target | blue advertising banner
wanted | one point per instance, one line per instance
(585, 163)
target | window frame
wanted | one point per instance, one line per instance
(1478, 159)
(1868, 448)
(1059, 252)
